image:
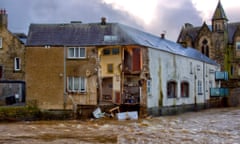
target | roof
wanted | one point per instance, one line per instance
(78, 34)
(22, 37)
(219, 12)
(74, 34)
(193, 31)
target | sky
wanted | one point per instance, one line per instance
(152, 16)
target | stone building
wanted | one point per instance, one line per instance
(219, 41)
(12, 61)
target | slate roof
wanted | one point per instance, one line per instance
(219, 12)
(192, 32)
(92, 34)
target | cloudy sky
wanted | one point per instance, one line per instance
(153, 16)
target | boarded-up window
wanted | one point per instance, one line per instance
(136, 59)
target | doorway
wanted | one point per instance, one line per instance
(107, 89)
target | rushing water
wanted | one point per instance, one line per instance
(213, 126)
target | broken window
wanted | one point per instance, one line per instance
(76, 84)
(172, 89)
(184, 89)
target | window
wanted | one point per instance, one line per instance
(115, 51)
(191, 68)
(107, 51)
(76, 52)
(110, 68)
(1, 72)
(238, 45)
(205, 48)
(76, 84)
(184, 89)
(17, 64)
(110, 38)
(199, 87)
(172, 89)
(0, 42)
(149, 87)
(111, 51)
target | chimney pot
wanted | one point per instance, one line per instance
(103, 20)
(163, 36)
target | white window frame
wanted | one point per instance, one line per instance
(76, 84)
(17, 64)
(77, 53)
(1, 42)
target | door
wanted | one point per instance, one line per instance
(107, 89)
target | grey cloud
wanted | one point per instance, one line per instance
(22, 13)
(171, 20)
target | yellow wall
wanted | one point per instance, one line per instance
(116, 60)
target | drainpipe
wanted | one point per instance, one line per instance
(64, 80)
(204, 84)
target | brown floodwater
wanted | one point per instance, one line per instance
(213, 126)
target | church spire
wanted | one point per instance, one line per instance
(219, 19)
(219, 13)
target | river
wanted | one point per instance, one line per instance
(212, 126)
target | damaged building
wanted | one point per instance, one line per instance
(110, 64)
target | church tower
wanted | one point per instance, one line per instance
(219, 19)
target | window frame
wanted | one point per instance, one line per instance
(17, 64)
(171, 85)
(76, 84)
(200, 87)
(76, 54)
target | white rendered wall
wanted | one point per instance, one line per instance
(166, 67)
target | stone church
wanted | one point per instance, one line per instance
(219, 41)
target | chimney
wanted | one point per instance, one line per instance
(103, 21)
(162, 35)
(3, 18)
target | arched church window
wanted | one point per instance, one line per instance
(205, 47)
